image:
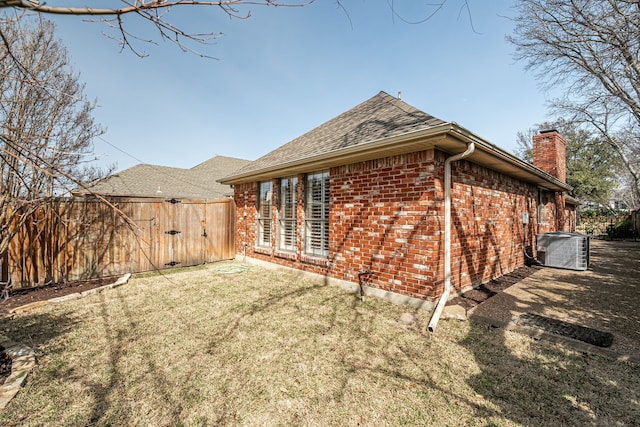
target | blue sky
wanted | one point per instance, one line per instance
(285, 71)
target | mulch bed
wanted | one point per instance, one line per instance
(566, 329)
(20, 297)
(485, 291)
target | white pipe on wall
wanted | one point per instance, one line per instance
(447, 235)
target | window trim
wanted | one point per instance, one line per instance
(264, 214)
(288, 225)
(313, 223)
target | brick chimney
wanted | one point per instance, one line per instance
(550, 153)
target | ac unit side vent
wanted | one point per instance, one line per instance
(564, 250)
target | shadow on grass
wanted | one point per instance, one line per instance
(254, 307)
(37, 329)
(108, 402)
(108, 410)
(323, 354)
(238, 315)
(116, 337)
(551, 386)
(177, 399)
(418, 372)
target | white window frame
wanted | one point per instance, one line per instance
(287, 214)
(264, 205)
(316, 242)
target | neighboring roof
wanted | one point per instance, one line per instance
(199, 182)
(379, 127)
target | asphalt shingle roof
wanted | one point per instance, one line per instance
(146, 180)
(379, 117)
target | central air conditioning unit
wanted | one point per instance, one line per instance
(564, 250)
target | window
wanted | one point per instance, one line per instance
(287, 222)
(317, 214)
(264, 213)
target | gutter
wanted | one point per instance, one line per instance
(448, 137)
(348, 154)
(447, 234)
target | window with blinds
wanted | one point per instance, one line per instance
(317, 214)
(287, 222)
(265, 192)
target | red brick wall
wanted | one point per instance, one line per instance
(386, 215)
(244, 196)
(247, 226)
(487, 229)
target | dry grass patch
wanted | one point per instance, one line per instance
(257, 347)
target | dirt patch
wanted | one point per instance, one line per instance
(20, 297)
(485, 291)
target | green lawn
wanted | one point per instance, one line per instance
(205, 347)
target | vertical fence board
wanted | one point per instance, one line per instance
(220, 219)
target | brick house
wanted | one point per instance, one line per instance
(366, 192)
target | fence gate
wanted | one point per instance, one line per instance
(192, 232)
(183, 225)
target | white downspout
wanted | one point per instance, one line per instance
(447, 234)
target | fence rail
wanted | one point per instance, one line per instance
(70, 239)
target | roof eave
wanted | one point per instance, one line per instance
(406, 142)
(493, 157)
(448, 137)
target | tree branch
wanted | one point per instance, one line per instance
(227, 6)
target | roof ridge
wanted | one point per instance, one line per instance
(378, 117)
(147, 180)
(219, 157)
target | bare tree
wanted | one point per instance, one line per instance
(155, 12)
(591, 48)
(628, 193)
(46, 127)
(625, 195)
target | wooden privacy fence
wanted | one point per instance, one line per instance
(71, 239)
